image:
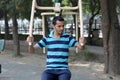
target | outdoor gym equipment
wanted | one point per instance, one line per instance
(57, 10)
(2, 44)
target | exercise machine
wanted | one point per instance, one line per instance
(56, 11)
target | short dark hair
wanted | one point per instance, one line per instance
(57, 18)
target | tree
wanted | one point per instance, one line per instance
(4, 10)
(75, 3)
(89, 7)
(111, 37)
(118, 6)
(7, 5)
(15, 28)
(94, 6)
(1, 13)
(23, 8)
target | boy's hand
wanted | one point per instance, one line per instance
(82, 41)
(30, 40)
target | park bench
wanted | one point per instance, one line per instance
(2, 45)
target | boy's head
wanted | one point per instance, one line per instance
(57, 18)
(58, 25)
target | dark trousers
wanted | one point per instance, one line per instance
(64, 74)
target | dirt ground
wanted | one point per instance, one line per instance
(85, 70)
(81, 69)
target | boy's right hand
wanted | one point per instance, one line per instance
(30, 39)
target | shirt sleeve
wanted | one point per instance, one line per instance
(42, 43)
(72, 42)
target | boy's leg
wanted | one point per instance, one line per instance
(65, 75)
(47, 75)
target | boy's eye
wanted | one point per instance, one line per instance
(60, 26)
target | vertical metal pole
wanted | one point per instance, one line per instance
(31, 19)
(81, 18)
(76, 17)
(43, 29)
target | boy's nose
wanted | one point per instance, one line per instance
(62, 28)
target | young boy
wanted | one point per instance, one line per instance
(57, 44)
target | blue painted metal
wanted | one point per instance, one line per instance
(2, 44)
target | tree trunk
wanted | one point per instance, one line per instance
(46, 27)
(16, 37)
(90, 31)
(6, 26)
(111, 37)
(95, 9)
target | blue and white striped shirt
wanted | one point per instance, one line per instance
(58, 49)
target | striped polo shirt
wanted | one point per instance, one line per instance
(57, 50)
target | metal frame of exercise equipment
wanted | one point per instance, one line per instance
(2, 44)
(57, 8)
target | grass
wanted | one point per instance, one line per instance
(86, 56)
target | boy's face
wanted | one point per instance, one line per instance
(59, 27)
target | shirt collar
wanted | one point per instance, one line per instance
(52, 33)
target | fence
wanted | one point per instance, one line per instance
(38, 30)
